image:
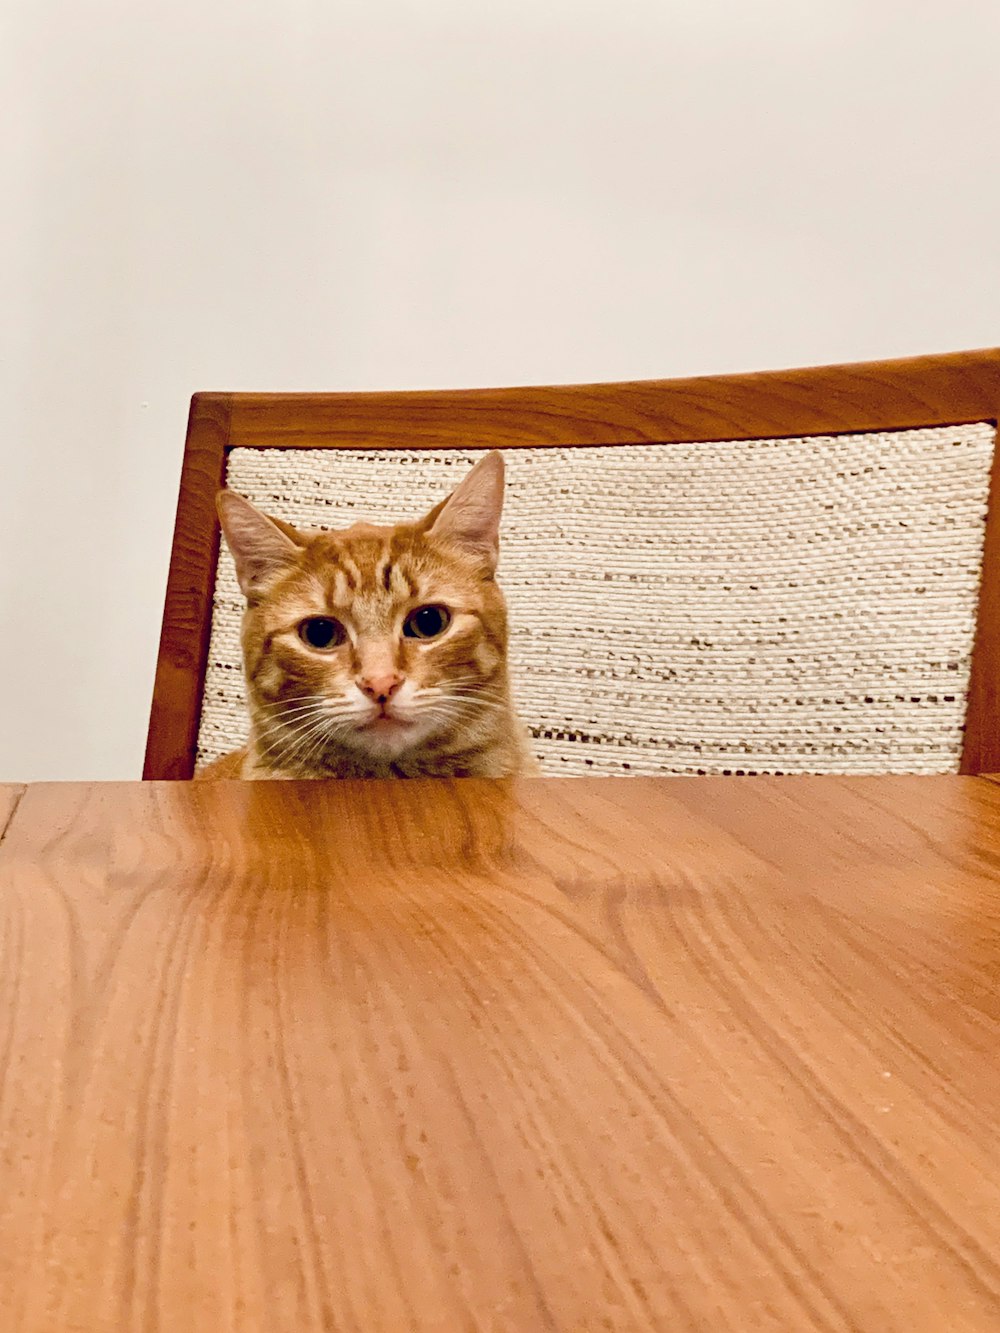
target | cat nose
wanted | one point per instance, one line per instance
(380, 687)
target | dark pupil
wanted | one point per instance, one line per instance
(320, 633)
(428, 621)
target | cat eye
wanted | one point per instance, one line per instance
(427, 622)
(322, 632)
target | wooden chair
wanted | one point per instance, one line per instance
(774, 572)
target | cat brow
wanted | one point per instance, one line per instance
(351, 572)
(338, 587)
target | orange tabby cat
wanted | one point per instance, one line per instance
(376, 652)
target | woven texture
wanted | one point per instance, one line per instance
(778, 606)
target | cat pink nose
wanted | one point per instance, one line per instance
(381, 687)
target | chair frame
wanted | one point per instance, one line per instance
(946, 390)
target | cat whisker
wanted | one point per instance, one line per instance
(291, 725)
(488, 705)
(303, 743)
(473, 678)
(296, 701)
(291, 742)
(452, 713)
(456, 690)
(314, 744)
(321, 705)
(290, 718)
(280, 710)
(471, 702)
(464, 688)
(473, 692)
(465, 706)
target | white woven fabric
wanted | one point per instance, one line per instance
(779, 606)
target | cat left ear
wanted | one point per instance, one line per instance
(262, 547)
(470, 517)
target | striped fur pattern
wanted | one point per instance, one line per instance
(376, 652)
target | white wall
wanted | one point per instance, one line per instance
(340, 194)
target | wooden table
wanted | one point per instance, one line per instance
(713, 1054)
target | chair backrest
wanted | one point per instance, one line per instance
(782, 572)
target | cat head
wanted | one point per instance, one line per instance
(378, 640)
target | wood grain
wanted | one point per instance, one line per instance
(172, 740)
(878, 395)
(867, 396)
(981, 742)
(585, 1054)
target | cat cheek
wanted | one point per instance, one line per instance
(416, 665)
(487, 658)
(337, 681)
(269, 678)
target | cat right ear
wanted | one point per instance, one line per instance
(261, 549)
(470, 517)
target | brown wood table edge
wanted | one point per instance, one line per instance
(950, 389)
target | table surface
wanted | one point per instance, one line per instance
(713, 1054)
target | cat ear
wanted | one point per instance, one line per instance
(470, 517)
(261, 546)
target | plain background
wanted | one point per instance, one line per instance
(313, 194)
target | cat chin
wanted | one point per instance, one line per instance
(388, 738)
